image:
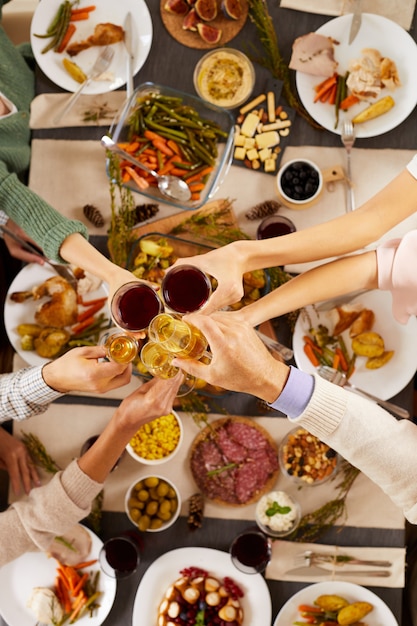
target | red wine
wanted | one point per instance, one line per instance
(251, 552)
(120, 557)
(135, 306)
(185, 289)
(274, 226)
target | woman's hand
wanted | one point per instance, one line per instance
(16, 250)
(15, 459)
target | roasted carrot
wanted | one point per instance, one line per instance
(77, 609)
(174, 146)
(161, 145)
(85, 564)
(91, 302)
(313, 344)
(66, 39)
(336, 361)
(324, 87)
(80, 326)
(342, 359)
(306, 608)
(199, 175)
(150, 134)
(139, 180)
(348, 102)
(80, 584)
(78, 17)
(332, 94)
(311, 354)
(94, 308)
(88, 9)
(196, 186)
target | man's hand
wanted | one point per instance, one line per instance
(81, 369)
(15, 459)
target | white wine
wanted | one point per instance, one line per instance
(121, 348)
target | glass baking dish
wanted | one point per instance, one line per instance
(125, 128)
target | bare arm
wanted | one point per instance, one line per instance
(321, 283)
(343, 235)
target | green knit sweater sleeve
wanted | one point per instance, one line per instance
(39, 220)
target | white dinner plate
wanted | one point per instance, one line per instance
(381, 615)
(106, 11)
(256, 602)
(36, 569)
(16, 313)
(402, 338)
(393, 42)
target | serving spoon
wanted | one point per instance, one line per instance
(170, 186)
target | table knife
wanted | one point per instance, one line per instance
(356, 20)
(314, 571)
(128, 40)
(62, 270)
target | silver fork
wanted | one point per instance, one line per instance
(348, 139)
(341, 559)
(339, 378)
(101, 64)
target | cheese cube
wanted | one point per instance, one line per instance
(240, 140)
(240, 153)
(270, 165)
(267, 140)
(249, 125)
(252, 154)
(249, 143)
(265, 154)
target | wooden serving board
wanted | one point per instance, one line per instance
(230, 28)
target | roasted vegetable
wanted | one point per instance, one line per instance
(368, 344)
(374, 110)
(74, 70)
(50, 341)
(159, 248)
(33, 330)
(331, 602)
(374, 363)
(353, 613)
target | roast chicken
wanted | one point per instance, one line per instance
(104, 35)
(60, 309)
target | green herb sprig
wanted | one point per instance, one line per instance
(271, 57)
(277, 508)
(122, 204)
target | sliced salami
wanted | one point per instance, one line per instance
(234, 461)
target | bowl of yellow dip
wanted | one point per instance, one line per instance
(224, 77)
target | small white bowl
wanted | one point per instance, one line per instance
(313, 464)
(153, 439)
(145, 517)
(287, 520)
(306, 197)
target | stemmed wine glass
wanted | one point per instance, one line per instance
(119, 557)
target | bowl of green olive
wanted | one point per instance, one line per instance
(152, 503)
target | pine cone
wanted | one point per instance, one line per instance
(93, 214)
(145, 212)
(195, 511)
(268, 207)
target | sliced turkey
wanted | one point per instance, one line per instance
(314, 54)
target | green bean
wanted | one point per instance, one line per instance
(66, 17)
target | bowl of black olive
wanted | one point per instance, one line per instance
(299, 183)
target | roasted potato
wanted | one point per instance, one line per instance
(376, 362)
(374, 110)
(368, 344)
(353, 613)
(331, 602)
(50, 342)
(33, 330)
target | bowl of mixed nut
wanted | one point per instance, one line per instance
(157, 441)
(305, 459)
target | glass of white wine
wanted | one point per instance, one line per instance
(120, 346)
(177, 336)
(158, 362)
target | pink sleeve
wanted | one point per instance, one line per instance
(397, 272)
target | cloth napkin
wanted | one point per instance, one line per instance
(284, 555)
(64, 428)
(400, 11)
(45, 106)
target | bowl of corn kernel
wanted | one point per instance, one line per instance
(157, 441)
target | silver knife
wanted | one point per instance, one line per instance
(356, 20)
(272, 344)
(314, 571)
(129, 44)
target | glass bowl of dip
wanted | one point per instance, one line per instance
(277, 514)
(225, 77)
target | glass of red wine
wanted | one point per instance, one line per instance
(185, 289)
(275, 226)
(119, 557)
(134, 305)
(251, 551)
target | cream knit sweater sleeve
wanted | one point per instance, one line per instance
(48, 511)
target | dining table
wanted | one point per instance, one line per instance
(371, 523)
